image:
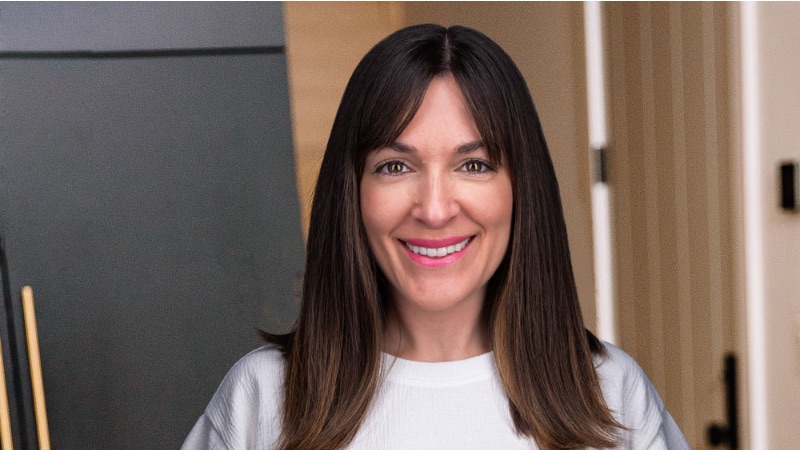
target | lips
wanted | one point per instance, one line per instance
(438, 248)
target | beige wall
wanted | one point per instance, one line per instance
(325, 41)
(779, 125)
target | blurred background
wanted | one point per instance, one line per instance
(157, 163)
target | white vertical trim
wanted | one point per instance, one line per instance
(601, 205)
(595, 73)
(753, 227)
(603, 263)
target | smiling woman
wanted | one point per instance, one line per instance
(437, 214)
(439, 305)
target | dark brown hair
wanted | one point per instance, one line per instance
(543, 352)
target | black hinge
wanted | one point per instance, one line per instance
(601, 165)
(790, 185)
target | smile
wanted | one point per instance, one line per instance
(438, 252)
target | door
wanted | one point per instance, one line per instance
(671, 167)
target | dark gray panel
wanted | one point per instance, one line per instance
(115, 26)
(151, 203)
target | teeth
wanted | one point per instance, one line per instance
(438, 252)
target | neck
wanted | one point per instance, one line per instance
(436, 336)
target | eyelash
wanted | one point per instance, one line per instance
(383, 167)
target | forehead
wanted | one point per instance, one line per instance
(443, 116)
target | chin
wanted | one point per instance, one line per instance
(437, 302)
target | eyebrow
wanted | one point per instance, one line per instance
(461, 149)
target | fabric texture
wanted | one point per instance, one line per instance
(449, 405)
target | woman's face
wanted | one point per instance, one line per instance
(436, 212)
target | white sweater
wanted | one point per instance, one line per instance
(449, 405)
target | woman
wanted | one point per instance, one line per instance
(439, 306)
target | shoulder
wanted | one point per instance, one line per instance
(263, 365)
(616, 367)
(256, 376)
(626, 388)
(635, 403)
(245, 410)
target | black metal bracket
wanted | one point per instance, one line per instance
(601, 164)
(790, 185)
(719, 434)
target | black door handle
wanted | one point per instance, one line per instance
(719, 434)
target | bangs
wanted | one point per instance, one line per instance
(389, 84)
(385, 122)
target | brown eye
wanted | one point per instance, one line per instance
(476, 166)
(394, 167)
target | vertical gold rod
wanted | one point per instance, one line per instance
(36, 368)
(6, 443)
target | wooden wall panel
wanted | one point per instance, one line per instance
(324, 43)
(670, 170)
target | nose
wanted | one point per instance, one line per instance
(436, 201)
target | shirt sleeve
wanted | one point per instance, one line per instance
(243, 413)
(637, 405)
(203, 436)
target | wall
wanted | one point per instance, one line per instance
(771, 135)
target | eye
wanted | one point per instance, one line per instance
(392, 168)
(476, 166)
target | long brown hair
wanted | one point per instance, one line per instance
(543, 352)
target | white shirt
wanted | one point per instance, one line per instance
(448, 405)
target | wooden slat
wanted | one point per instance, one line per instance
(35, 361)
(6, 441)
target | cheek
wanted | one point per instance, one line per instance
(506, 208)
(494, 209)
(378, 213)
(368, 215)
(499, 214)
(501, 222)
